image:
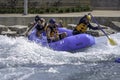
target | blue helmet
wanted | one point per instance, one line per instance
(37, 18)
(52, 21)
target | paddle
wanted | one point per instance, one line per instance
(111, 41)
(30, 29)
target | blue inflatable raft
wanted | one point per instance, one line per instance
(117, 60)
(70, 43)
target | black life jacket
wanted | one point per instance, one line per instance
(39, 27)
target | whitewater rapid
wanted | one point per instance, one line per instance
(21, 59)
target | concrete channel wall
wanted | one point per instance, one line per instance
(66, 20)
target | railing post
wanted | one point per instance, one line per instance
(25, 7)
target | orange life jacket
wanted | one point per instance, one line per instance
(81, 27)
(53, 31)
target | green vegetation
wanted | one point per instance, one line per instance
(46, 10)
(11, 10)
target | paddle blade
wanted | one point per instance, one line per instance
(112, 42)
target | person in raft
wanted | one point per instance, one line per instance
(32, 24)
(40, 27)
(52, 32)
(84, 24)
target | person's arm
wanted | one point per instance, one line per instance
(82, 20)
(92, 27)
(48, 33)
(56, 34)
(96, 28)
(29, 29)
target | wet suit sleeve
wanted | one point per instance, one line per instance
(94, 28)
(82, 20)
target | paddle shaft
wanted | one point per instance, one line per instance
(100, 27)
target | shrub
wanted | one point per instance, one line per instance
(67, 10)
(73, 9)
(61, 10)
(46, 10)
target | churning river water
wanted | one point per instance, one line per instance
(21, 59)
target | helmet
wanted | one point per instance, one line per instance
(88, 17)
(60, 21)
(37, 18)
(52, 21)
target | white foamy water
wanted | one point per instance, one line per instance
(21, 59)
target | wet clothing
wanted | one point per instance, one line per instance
(53, 34)
(50, 40)
(83, 25)
(83, 20)
(39, 27)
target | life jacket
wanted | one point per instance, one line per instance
(53, 31)
(45, 26)
(39, 27)
(81, 28)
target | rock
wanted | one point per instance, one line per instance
(3, 28)
(93, 33)
(116, 25)
(9, 33)
(18, 28)
(71, 26)
(107, 31)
